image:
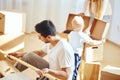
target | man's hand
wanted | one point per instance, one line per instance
(45, 70)
(16, 54)
(40, 72)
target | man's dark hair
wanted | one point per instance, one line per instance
(45, 28)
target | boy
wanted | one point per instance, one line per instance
(77, 38)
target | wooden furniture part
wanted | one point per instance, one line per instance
(26, 64)
(110, 73)
(6, 68)
(2, 23)
(109, 76)
(89, 70)
(9, 72)
(17, 76)
(92, 71)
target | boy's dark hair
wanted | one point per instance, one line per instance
(45, 28)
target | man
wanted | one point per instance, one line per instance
(59, 51)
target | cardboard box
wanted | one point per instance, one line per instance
(99, 29)
(2, 23)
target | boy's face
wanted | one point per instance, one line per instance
(77, 23)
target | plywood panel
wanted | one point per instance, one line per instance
(92, 71)
(6, 68)
(16, 76)
(109, 76)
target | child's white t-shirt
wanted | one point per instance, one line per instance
(77, 40)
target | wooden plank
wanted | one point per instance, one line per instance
(6, 68)
(109, 76)
(110, 73)
(92, 71)
(27, 65)
(16, 76)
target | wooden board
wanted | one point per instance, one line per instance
(16, 76)
(110, 73)
(109, 76)
(92, 71)
(6, 68)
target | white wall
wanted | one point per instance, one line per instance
(114, 33)
(14, 22)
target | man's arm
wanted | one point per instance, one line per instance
(21, 54)
(63, 74)
(40, 53)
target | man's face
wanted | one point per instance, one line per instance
(42, 38)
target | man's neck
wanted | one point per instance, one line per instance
(54, 41)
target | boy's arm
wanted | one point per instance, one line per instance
(96, 42)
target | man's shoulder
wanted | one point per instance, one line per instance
(66, 45)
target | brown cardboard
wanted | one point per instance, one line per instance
(2, 23)
(99, 29)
